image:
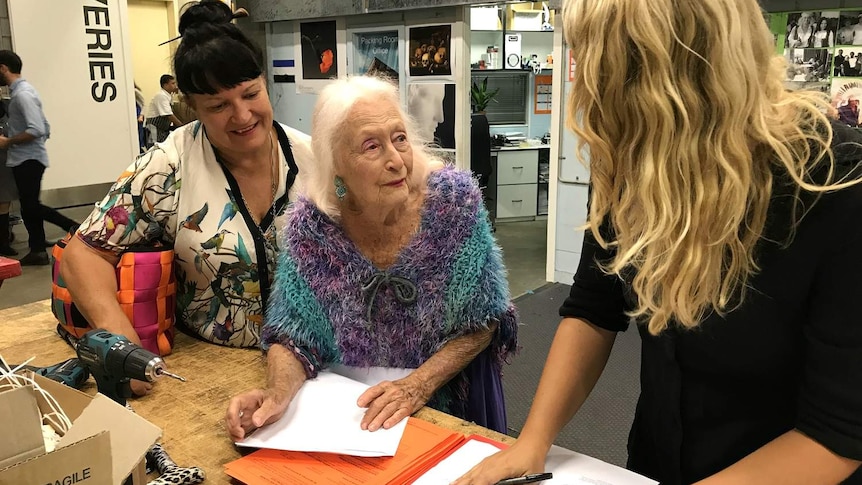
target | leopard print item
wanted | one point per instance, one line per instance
(171, 473)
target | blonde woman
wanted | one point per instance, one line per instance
(725, 222)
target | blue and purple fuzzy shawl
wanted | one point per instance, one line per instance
(319, 310)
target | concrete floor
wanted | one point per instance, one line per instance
(523, 245)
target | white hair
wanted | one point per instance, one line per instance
(329, 125)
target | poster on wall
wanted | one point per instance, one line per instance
(376, 53)
(811, 30)
(319, 50)
(432, 106)
(850, 28)
(808, 65)
(319, 54)
(429, 50)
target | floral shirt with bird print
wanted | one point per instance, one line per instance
(180, 194)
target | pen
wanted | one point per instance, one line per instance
(535, 477)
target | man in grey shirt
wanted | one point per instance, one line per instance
(27, 156)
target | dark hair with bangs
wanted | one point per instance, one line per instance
(214, 54)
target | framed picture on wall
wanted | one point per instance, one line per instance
(432, 106)
(375, 52)
(429, 50)
(320, 53)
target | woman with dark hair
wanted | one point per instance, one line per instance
(213, 190)
(824, 36)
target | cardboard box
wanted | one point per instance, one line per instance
(106, 443)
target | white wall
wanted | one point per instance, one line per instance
(92, 137)
(568, 192)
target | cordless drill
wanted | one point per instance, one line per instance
(113, 361)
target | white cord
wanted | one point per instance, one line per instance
(56, 418)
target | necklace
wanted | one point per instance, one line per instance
(274, 172)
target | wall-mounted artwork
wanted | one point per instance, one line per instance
(432, 107)
(376, 53)
(849, 28)
(319, 54)
(319, 50)
(823, 51)
(429, 50)
(811, 30)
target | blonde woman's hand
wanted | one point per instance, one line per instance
(515, 461)
(391, 401)
(253, 409)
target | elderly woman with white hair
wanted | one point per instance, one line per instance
(388, 274)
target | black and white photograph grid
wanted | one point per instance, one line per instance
(849, 28)
(811, 30)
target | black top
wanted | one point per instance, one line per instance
(789, 357)
(480, 147)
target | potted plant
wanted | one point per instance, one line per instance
(480, 96)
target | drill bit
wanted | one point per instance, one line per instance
(163, 372)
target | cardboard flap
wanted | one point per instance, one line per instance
(87, 461)
(71, 400)
(21, 423)
(131, 435)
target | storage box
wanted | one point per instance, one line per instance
(105, 444)
(9, 268)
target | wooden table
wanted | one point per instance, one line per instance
(191, 413)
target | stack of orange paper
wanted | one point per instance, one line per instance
(422, 446)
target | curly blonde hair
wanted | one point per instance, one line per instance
(683, 108)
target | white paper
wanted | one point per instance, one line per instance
(370, 375)
(324, 417)
(458, 463)
(568, 467)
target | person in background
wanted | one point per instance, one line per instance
(28, 157)
(845, 33)
(8, 192)
(213, 190)
(730, 239)
(838, 63)
(849, 113)
(159, 115)
(389, 274)
(802, 35)
(139, 114)
(824, 36)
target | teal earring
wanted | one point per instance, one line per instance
(340, 188)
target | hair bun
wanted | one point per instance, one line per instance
(207, 12)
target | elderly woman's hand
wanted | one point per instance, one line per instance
(253, 409)
(391, 401)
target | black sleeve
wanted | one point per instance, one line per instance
(596, 297)
(830, 399)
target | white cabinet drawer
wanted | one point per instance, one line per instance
(518, 167)
(516, 201)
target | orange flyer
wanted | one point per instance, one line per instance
(422, 446)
